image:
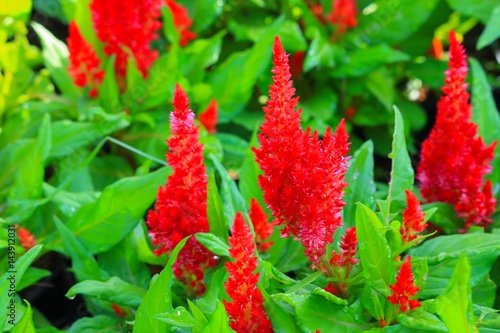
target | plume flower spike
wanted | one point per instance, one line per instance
(303, 180)
(343, 15)
(246, 310)
(26, 238)
(182, 22)
(181, 206)
(263, 229)
(413, 218)
(83, 61)
(208, 118)
(454, 159)
(404, 288)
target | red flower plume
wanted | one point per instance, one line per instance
(208, 118)
(413, 218)
(303, 179)
(404, 288)
(181, 206)
(127, 28)
(343, 15)
(454, 159)
(347, 249)
(246, 311)
(182, 22)
(26, 239)
(263, 229)
(83, 61)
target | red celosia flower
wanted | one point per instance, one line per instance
(343, 15)
(413, 218)
(127, 28)
(263, 229)
(454, 159)
(182, 22)
(350, 112)
(26, 239)
(297, 64)
(347, 249)
(83, 61)
(303, 179)
(436, 50)
(246, 310)
(208, 118)
(404, 288)
(181, 208)
(317, 11)
(118, 310)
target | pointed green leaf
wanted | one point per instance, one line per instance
(215, 211)
(25, 324)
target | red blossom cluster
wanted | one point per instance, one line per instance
(404, 288)
(182, 22)
(181, 206)
(246, 310)
(208, 118)
(263, 229)
(454, 159)
(347, 249)
(126, 28)
(303, 180)
(84, 64)
(413, 218)
(26, 238)
(343, 15)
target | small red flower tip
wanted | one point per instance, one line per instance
(343, 15)
(245, 310)
(297, 64)
(303, 180)
(118, 310)
(263, 229)
(454, 159)
(26, 239)
(182, 22)
(436, 50)
(413, 218)
(350, 112)
(347, 249)
(126, 28)
(181, 206)
(404, 288)
(83, 61)
(208, 118)
(382, 323)
(317, 11)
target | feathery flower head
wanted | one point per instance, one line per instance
(413, 218)
(182, 22)
(454, 159)
(126, 28)
(181, 206)
(83, 61)
(343, 15)
(303, 180)
(26, 238)
(246, 310)
(208, 118)
(404, 288)
(263, 229)
(347, 249)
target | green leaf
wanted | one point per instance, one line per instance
(213, 243)
(141, 240)
(375, 255)
(101, 225)
(363, 61)
(218, 322)
(99, 323)
(492, 30)
(13, 275)
(205, 12)
(454, 305)
(55, 55)
(31, 276)
(317, 313)
(84, 264)
(19, 10)
(114, 290)
(215, 210)
(422, 321)
(392, 22)
(179, 317)
(321, 53)
(484, 294)
(109, 92)
(361, 186)
(443, 253)
(200, 54)
(158, 298)
(282, 321)
(401, 170)
(445, 217)
(485, 113)
(249, 174)
(481, 9)
(247, 66)
(25, 324)
(381, 85)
